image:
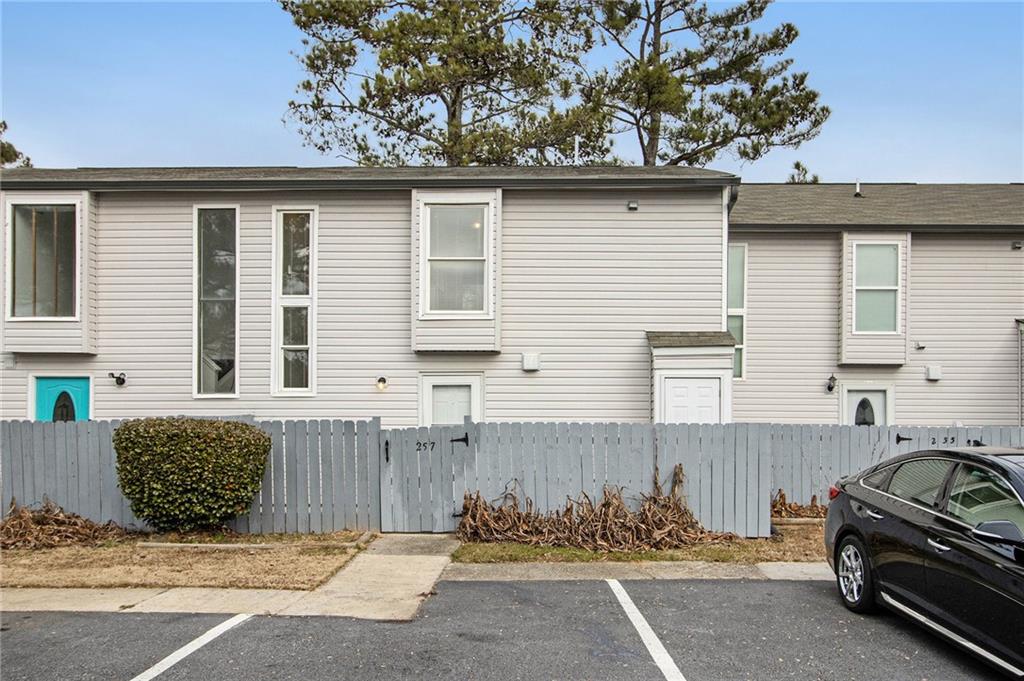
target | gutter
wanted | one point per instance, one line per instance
(368, 184)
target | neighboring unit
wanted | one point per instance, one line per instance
(428, 295)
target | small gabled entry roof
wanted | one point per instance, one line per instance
(690, 339)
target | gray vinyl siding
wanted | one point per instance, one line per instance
(582, 281)
(965, 291)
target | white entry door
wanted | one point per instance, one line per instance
(866, 407)
(692, 400)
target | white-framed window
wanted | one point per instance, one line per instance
(294, 347)
(447, 399)
(43, 246)
(737, 306)
(876, 287)
(456, 233)
(215, 300)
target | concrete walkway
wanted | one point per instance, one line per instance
(387, 581)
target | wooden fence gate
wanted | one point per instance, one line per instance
(422, 478)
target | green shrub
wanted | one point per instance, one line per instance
(186, 474)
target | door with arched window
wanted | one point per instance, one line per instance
(62, 398)
(866, 407)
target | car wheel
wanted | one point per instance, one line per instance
(853, 575)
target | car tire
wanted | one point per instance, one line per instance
(854, 578)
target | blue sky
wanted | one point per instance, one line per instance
(922, 91)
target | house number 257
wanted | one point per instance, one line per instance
(426, 446)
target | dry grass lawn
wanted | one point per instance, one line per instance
(803, 543)
(286, 565)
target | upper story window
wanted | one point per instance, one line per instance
(294, 358)
(43, 266)
(456, 268)
(737, 305)
(876, 288)
(216, 290)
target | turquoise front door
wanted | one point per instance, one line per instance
(60, 398)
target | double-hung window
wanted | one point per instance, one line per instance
(294, 358)
(43, 262)
(456, 261)
(876, 295)
(216, 291)
(737, 305)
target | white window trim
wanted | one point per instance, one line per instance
(474, 379)
(80, 221)
(280, 301)
(898, 287)
(739, 312)
(195, 301)
(30, 409)
(424, 199)
(882, 386)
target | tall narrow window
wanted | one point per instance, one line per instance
(43, 264)
(876, 288)
(737, 304)
(217, 301)
(294, 277)
(457, 258)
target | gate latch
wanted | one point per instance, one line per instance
(900, 438)
(464, 439)
(387, 451)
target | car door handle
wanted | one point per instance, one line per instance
(942, 548)
(873, 515)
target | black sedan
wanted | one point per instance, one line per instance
(938, 537)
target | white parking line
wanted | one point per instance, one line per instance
(654, 647)
(189, 648)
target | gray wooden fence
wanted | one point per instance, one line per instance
(808, 459)
(326, 475)
(321, 476)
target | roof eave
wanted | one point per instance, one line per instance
(370, 184)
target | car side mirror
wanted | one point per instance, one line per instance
(999, 532)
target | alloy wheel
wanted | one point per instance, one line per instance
(851, 573)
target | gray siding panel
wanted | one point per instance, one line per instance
(582, 280)
(964, 295)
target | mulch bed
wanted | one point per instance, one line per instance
(50, 526)
(661, 522)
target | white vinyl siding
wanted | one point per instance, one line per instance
(737, 305)
(583, 279)
(294, 301)
(795, 318)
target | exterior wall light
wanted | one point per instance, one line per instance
(382, 383)
(831, 385)
(119, 379)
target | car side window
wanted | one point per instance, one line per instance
(877, 479)
(919, 481)
(979, 495)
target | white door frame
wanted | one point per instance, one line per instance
(724, 377)
(475, 381)
(878, 386)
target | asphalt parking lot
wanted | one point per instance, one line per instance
(710, 631)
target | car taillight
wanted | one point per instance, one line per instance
(833, 492)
